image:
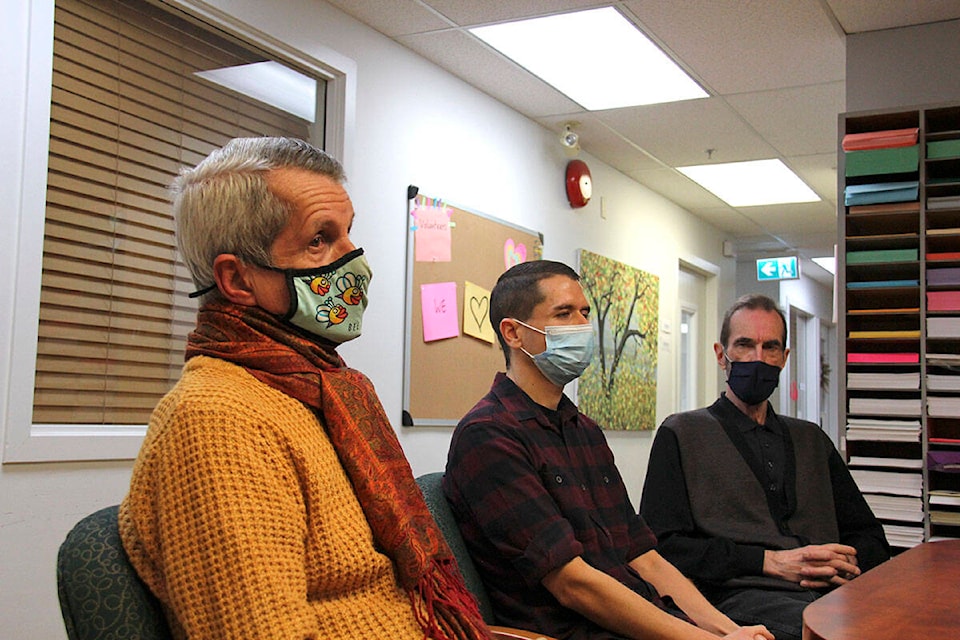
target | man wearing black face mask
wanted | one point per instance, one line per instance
(758, 509)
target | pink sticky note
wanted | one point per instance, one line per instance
(438, 303)
(432, 234)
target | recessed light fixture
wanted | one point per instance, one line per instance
(597, 58)
(751, 183)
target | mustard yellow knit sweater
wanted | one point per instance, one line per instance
(242, 521)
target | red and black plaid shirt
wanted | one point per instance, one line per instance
(533, 489)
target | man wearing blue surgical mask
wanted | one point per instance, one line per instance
(758, 509)
(538, 499)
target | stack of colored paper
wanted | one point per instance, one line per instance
(873, 162)
(942, 382)
(940, 277)
(943, 149)
(883, 358)
(881, 192)
(870, 380)
(882, 255)
(886, 406)
(943, 301)
(945, 327)
(943, 406)
(891, 482)
(883, 429)
(880, 139)
(904, 508)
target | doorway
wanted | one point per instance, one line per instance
(690, 381)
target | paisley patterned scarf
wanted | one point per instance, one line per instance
(350, 411)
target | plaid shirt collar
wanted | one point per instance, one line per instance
(516, 401)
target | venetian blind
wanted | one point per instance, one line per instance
(126, 114)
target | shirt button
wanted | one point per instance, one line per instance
(606, 480)
(769, 465)
(583, 486)
(773, 488)
(559, 479)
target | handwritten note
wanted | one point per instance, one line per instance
(431, 231)
(476, 312)
(438, 304)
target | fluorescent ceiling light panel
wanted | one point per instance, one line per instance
(272, 83)
(752, 183)
(597, 58)
(827, 262)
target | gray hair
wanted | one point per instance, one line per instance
(752, 301)
(223, 205)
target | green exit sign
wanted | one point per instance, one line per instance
(785, 268)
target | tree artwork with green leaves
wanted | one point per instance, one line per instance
(619, 388)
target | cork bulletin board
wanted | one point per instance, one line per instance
(454, 257)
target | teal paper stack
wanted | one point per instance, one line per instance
(943, 149)
(873, 162)
(883, 255)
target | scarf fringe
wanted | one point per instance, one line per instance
(444, 609)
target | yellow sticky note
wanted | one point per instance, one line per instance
(476, 313)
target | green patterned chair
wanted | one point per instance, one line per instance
(430, 486)
(101, 596)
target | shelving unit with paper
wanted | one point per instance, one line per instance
(880, 275)
(942, 354)
(900, 386)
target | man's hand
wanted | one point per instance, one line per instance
(756, 632)
(815, 566)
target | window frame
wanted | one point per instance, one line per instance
(25, 441)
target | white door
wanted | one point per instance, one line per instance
(693, 341)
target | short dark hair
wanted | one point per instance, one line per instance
(751, 301)
(517, 292)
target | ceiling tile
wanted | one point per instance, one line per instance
(679, 133)
(748, 45)
(784, 118)
(820, 174)
(393, 17)
(677, 187)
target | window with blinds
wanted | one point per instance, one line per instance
(128, 111)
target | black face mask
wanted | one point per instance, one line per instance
(754, 381)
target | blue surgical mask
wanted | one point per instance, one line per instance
(753, 381)
(329, 301)
(569, 351)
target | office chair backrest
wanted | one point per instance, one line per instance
(101, 596)
(437, 503)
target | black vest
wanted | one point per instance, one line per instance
(726, 494)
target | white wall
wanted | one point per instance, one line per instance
(414, 125)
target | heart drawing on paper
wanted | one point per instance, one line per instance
(513, 254)
(478, 309)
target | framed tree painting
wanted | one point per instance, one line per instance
(619, 388)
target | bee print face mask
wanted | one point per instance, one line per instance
(329, 301)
